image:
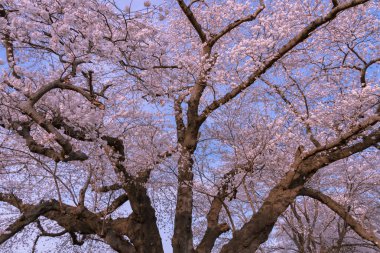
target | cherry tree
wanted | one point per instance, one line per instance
(230, 126)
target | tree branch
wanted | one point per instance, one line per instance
(118, 202)
(64, 85)
(8, 45)
(300, 37)
(68, 153)
(82, 192)
(214, 229)
(190, 16)
(344, 138)
(45, 233)
(257, 230)
(341, 211)
(107, 188)
(235, 24)
(29, 215)
(23, 129)
(179, 119)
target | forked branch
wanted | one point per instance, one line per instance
(364, 233)
(296, 40)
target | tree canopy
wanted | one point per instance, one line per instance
(224, 125)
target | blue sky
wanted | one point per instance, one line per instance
(136, 4)
(2, 55)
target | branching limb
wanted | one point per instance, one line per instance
(250, 201)
(75, 133)
(190, 16)
(27, 107)
(235, 24)
(300, 37)
(68, 153)
(118, 202)
(107, 188)
(143, 216)
(257, 230)
(214, 229)
(11, 199)
(23, 129)
(294, 110)
(62, 84)
(363, 70)
(344, 138)
(55, 178)
(45, 233)
(364, 233)
(194, 2)
(83, 222)
(82, 192)
(29, 215)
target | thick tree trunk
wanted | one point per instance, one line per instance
(183, 237)
(257, 230)
(142, 223)
(144, 233)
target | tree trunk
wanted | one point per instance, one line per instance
(249, 238)
(145, 235)
(183, 236)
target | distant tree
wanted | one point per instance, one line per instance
(232, 126)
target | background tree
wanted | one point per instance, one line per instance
(234, 126)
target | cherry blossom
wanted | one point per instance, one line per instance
(226, 126)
